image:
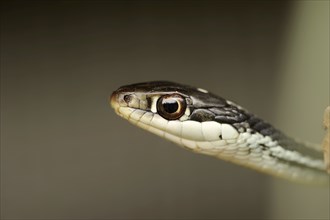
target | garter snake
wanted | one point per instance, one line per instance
(208, 124)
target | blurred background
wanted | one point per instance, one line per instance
(66, 155)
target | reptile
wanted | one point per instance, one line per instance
(208, 124)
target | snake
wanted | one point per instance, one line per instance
(205, 123)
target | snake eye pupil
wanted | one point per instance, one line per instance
(171, 107)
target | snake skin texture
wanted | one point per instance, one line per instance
(214, 126)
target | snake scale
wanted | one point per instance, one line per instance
(208, 124)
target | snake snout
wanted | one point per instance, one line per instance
(114, 100)
(122, 99)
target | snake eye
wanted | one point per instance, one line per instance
(171, 107)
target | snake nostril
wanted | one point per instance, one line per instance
(127, 98)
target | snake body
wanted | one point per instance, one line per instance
(208, 124)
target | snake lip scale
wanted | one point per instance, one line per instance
(208, 124)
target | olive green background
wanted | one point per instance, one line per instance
(66, 155)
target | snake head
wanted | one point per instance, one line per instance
(183, 114)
